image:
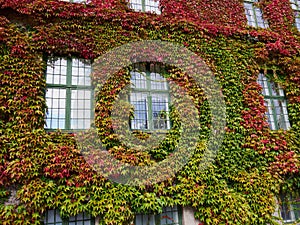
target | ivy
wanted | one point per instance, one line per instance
(253, 163)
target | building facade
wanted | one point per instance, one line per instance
(129, 76)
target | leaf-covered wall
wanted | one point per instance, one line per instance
(253, 164)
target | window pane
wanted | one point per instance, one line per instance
(152, 6)
(145, 5)
(138, 80)
(144, 219)
(56, 102)
(169, 216)
(160, 111)
(80, 109)
(57, 72)
(158, 82)
(80, 219)
(249, 14)
(52, 217)
(289, 207)
(298, 22)
(140, 120)
(254, 15)
(81, 71)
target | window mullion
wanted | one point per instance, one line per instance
(68, 94)
(157, 219)
(143, 6)
(149, 99)
(92, 112)
(150, 113)
(254, 15)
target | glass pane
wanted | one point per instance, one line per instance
(140, 120)
(87, 216)
(56, 102)
(152, 6)
(145, 5)
(270, 114)
(52, 217)
(138, 80)
(249, 14)
(254, 15)
(168, 216)
(160, 111)
(80, 109)
(158, 82)
(57, 216)
(298, 22)
(57, 71)
(282, 115)
(136, 5)
(81, 71)
(259, 18)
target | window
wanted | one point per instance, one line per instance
(52, 217)
(275, 102)
(69, 94)
(150, 98)
(145, 5)
(169, 216)
(289, 208)
(254, 14)
(296, 7)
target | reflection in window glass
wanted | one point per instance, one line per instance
(169, 216)
(69, 94)
(275, 103)
(52, 217)
(289, 207)
(254, 15)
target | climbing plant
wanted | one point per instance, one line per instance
(48, 169)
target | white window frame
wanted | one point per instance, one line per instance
(254, 14)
